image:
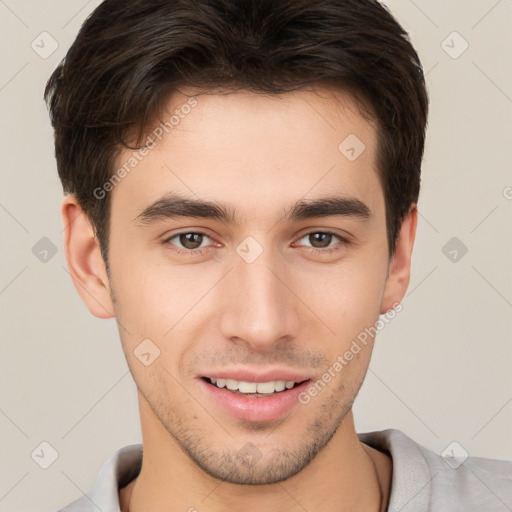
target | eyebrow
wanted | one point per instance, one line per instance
(173, 206)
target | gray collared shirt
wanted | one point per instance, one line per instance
(422, 480)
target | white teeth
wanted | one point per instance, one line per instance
(254, 387)
(247, 387)
(266, 387)
(231, 384)
(280, 385)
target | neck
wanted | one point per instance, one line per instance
(345, 476)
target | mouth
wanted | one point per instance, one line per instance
(255, 402)
(253, 389)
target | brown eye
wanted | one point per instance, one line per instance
(189, 241)
(321, 239)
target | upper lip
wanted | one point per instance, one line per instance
(268, 375)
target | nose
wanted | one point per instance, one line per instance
(261, 310)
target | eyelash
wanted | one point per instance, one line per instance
(200, 252)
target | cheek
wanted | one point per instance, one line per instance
(346, 297)
(150, 302)
(140, 307)
(142, 284)
(157, 302)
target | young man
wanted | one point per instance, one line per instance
(242, 179)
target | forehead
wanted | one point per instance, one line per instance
(248, 150)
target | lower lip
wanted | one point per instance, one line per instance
(252, 408)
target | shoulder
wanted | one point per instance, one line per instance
(79, 505)
(477, 483)
(116, 472)
(426, 481)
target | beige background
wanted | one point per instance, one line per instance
(440, 371)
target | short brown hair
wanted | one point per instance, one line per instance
(131, 54)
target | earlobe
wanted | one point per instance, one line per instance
(399, 270)
(84, 259)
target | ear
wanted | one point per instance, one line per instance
(399, 270)
(84, 259)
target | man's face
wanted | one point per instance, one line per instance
(263, 296)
